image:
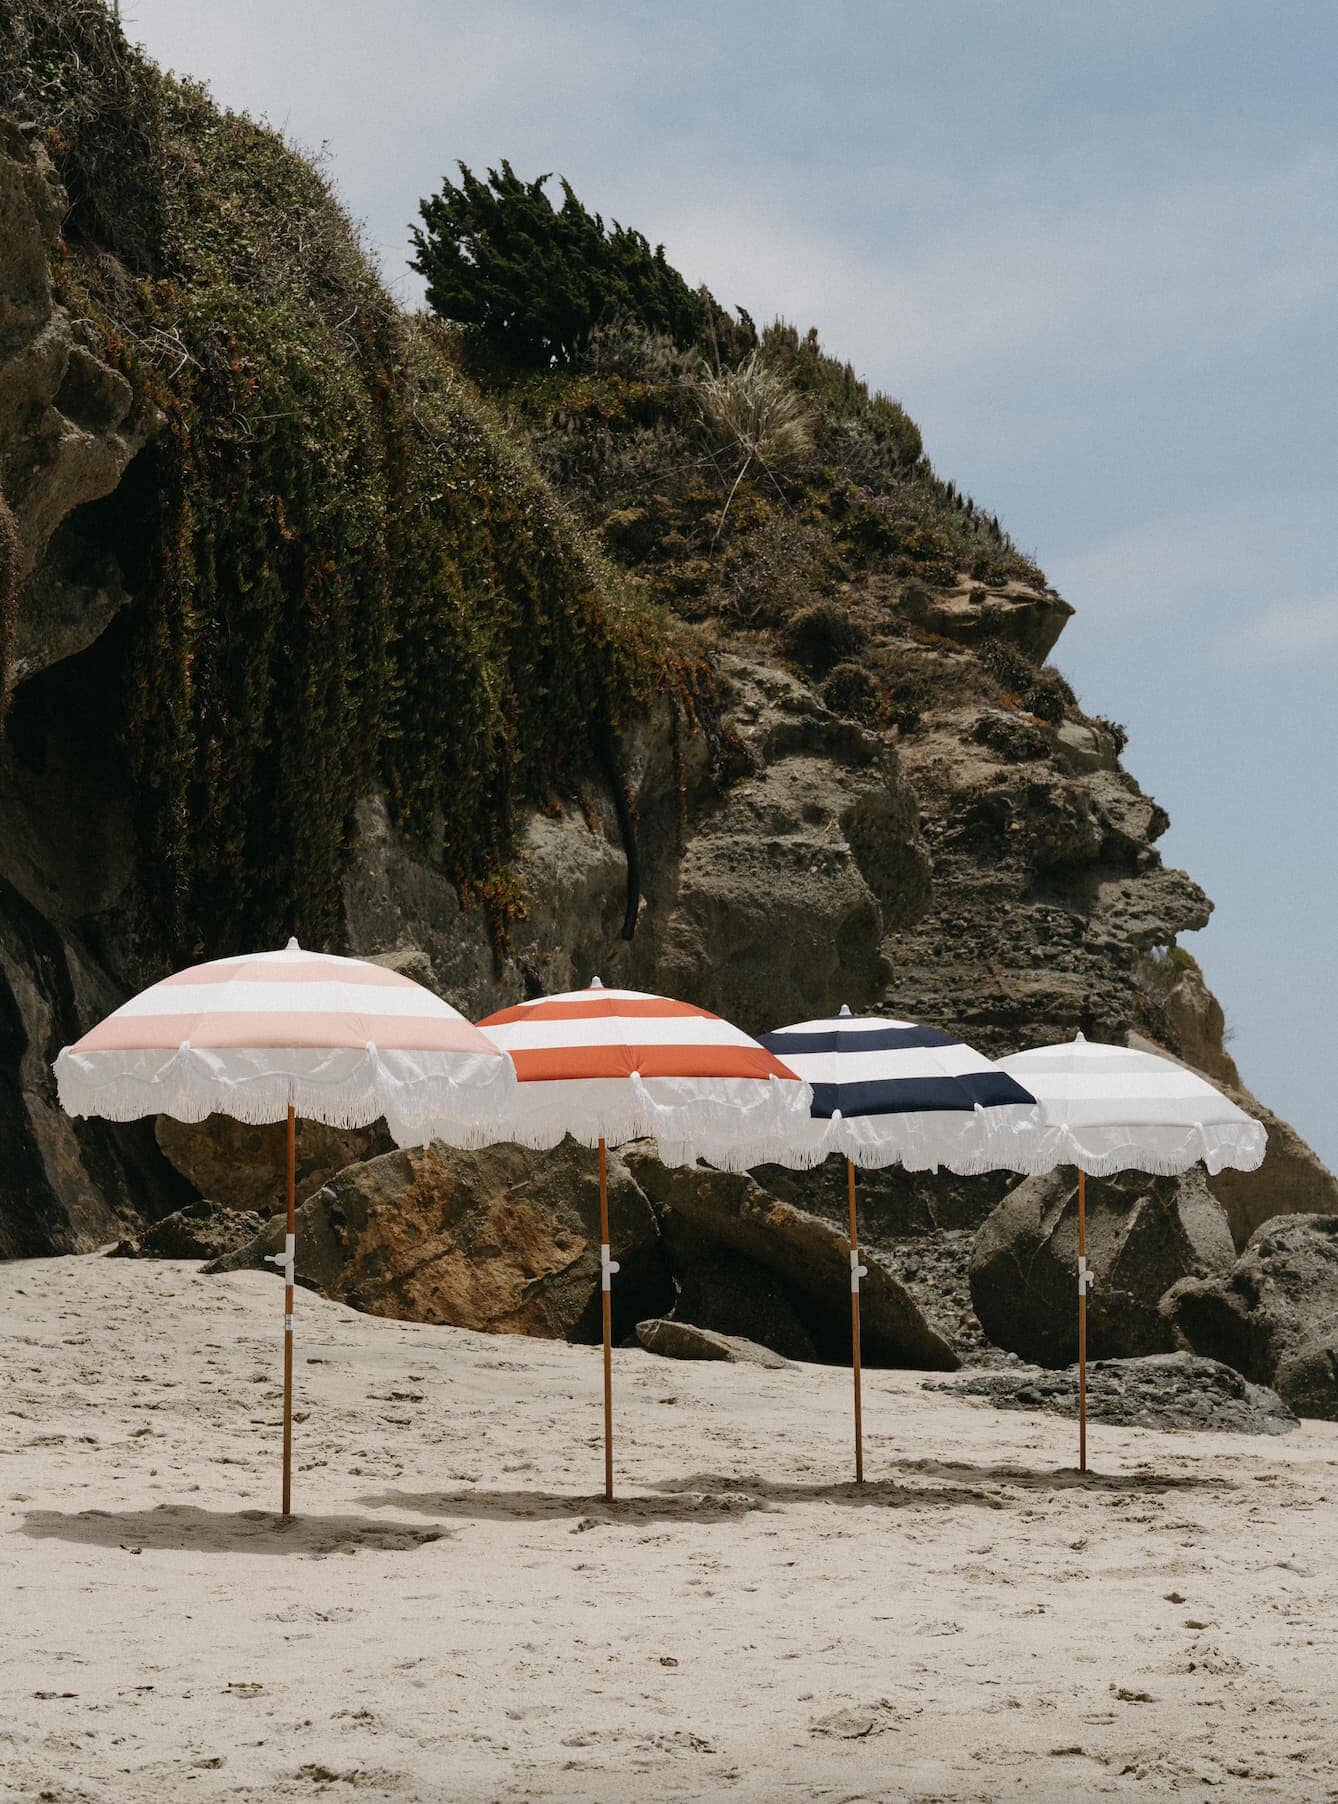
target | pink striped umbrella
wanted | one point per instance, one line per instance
(278, 1034)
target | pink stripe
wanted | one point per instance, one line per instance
(141, 1033)
(313, 970)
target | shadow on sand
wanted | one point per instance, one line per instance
(187, 1527)
(921, 1484)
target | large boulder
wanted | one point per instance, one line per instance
(1291, 1180)
(1274, 1315)
(239, 1165)
(198, 1231)
(1143, 1235)
(728, 1218)
(505, 1241)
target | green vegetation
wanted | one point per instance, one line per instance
(529, 282)
(453, 557)
(347, 570)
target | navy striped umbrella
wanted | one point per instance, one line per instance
(893, 1093)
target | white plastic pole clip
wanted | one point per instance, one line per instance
(286, 1258)
(1086, 1277)
(857, 1271)
(607, 1267)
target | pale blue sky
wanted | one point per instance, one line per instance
(1094, 249)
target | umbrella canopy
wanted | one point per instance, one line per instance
(892, 1093)
(337, 1039)
(603, 1065)
(614, 1065)
(286, 1033)
(1116, 1108)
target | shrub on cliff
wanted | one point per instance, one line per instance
(529, 281)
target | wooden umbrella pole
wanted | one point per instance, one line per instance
(607, 1267)
(1082, 1321)
(288, 1317)
(857, 1271)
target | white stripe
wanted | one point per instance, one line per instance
(600, 995)
(884, 1067)
(617, 1030)
(846, 1024)
(297, 956)
(239, 997)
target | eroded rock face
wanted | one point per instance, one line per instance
(1143, 1235)
(761, 900)
(808, 1256)
(1274, 1315)
(242, 1166)
(69, 422)
(504, 1241)
(1291, 1180)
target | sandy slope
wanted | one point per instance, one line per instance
(453, 1616)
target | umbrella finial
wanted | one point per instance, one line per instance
(595, 984)
(1080, 1038)
(844, 1010)
(292, 945)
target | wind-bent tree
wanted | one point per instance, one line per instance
(530, 280)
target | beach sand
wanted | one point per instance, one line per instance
(455, 1615)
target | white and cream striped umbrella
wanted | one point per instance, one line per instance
(280, 1034)
(1117, 1108)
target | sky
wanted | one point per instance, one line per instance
(1092, 247)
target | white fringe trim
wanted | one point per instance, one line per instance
(470, 1095)
(743, 1121)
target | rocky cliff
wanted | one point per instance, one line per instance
(571, 697)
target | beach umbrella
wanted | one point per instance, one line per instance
(276, 1035)
(1117, 1108)
(608, 1065)
(892, 1093)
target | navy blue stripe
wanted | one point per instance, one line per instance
(846, 1039)
(918, 1095)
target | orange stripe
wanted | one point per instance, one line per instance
(554, 1063)
(598, 1008)
(165, 1033)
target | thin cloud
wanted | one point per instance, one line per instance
(1287, 633)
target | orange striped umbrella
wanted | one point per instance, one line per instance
(613, 1065)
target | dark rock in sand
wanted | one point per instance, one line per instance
(681, 1340)
(200, 1230)
(1163, 1391)
(1274, 1316)
(504, 1240)
(807, 1255)
(1143, 1235)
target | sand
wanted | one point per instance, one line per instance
(454, 1616)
